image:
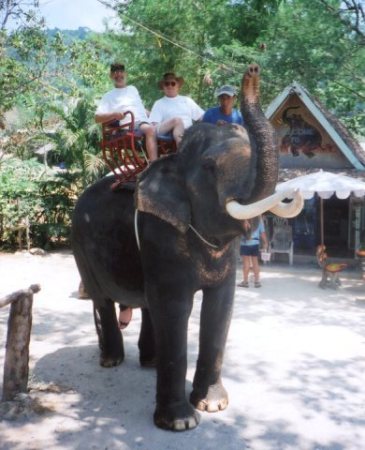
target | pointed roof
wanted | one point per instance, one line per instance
(346, 143)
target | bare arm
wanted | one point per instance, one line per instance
(264, 240)
(101, 118)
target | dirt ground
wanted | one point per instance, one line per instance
(294, 368)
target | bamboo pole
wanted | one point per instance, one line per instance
(16, 366)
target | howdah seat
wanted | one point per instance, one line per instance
(124, 151)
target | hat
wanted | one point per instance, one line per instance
(170, 76)
(226, 89)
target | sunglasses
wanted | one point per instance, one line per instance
(169, 83)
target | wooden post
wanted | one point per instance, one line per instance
(16, 367)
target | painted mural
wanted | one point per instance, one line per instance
(302, 140)
(301, 137)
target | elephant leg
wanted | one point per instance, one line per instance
(208, 392)
(170, 311)
(110, 337)
(146, 342)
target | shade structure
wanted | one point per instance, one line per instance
(325, 185)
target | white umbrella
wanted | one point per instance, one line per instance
(324, 184)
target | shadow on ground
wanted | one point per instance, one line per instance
(294, 368)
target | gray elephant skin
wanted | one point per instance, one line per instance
(187, 243)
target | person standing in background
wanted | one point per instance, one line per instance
(249, 251)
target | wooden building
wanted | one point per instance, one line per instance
(311, 138)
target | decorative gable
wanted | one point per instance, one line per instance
(310, 136)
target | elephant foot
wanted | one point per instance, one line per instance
(110, 361)
(177, 417)
(216, 399)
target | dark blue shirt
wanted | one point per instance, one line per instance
(213, 115)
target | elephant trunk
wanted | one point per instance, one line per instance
(265, 161)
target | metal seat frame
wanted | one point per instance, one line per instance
(124, 150)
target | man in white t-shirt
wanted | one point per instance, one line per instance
(124, 98)
(173, 112)
(112, 106)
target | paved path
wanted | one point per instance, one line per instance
(294, 369)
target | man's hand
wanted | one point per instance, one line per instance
(119, 116)
(102, 118)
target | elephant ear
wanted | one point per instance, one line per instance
(161, 191)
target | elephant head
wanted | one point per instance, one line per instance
(221, 174)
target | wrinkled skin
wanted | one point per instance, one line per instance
(214, 165)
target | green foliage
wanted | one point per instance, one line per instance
(50, 81)
(29, 196)
(77, 139)
(190, 39)
(310, 44)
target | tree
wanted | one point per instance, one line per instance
(351, 13)
(77, 139)
(313, 46)
(23, 13)
(32, 201)
(20, 50)
(193, 38)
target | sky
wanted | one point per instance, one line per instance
(72, 14)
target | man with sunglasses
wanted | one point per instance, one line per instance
(124, 98)
(173, 113)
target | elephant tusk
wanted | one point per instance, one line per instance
(289, 210)
(241, 212)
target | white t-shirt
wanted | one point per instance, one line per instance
(121, 100)
(180, 106)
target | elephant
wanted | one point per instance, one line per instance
(154, 243)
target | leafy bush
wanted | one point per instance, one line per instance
(31, 198)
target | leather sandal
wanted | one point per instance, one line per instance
(243, 284)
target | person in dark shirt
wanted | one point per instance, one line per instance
(225, 112)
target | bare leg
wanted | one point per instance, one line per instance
(125, 316)
(151, 142)
(256, 268)
(175, 125)
(246, 260)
